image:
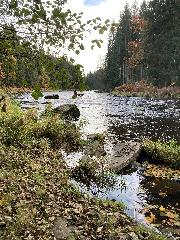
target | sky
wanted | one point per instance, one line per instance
(105, 9)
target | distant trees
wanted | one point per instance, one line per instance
(145, 45)
(96, 80)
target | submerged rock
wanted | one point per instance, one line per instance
(68, 111)
(54, 96)
(124, 154)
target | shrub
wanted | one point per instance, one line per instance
(20, 128)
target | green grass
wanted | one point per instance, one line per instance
(22, 129)
(144, 231)
(163, 153)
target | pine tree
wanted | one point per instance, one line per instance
(117, 70)
(162, 39)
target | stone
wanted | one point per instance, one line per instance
(133, 236)
(95, 149)
(54, 96)
(68, 111)
(61, 229)
(123, 154)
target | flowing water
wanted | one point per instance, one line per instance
(126, 118)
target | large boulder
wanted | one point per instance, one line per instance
(95, 148)
(68, 111)
(123, 154)
(54, 96)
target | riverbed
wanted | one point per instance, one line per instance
(124, 119)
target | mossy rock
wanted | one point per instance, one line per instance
(68, 111)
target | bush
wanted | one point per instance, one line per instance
(22, 129)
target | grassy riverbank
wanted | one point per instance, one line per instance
(35, 189)
(163, 153)
(142, 89)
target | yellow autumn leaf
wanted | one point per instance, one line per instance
(163, 194)
(99, 229)
(162, 209)
(151, 218)
(2, 201)
(171, 215)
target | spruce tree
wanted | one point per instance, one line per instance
(162, 38)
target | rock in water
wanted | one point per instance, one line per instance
(68, 111)
(123, 154)
(54, 96)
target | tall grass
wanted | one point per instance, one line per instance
(165, 153)
(23, 129)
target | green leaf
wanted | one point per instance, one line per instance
(107, 21)
(98, 44)
(101, 31)
(82, 47)
(77, 52)
(36, 94)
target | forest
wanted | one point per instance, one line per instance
(143, 46)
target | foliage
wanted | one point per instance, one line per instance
(96, 80)
(134, 89)
(59, 25)
(161, 41)
(123, 62)
(24, 129)
(145, 89)
(26, 66)
(165, 153)
(33, 32)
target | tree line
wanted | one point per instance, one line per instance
(143, 46)
(33, 36)
(25, 65)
